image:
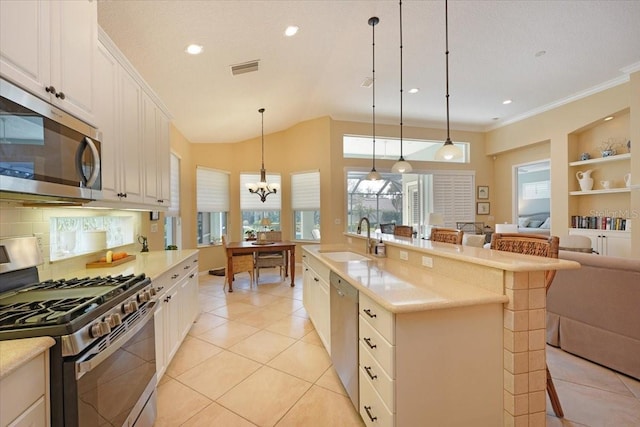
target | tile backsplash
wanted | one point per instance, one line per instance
(117, 229)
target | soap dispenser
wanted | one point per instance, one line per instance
(380, 249)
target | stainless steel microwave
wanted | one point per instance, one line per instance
(45, 153)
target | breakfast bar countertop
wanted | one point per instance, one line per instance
(402, 288)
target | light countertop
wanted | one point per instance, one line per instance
(15, 353)
(501, 260)
(402, 288)
(152, 264)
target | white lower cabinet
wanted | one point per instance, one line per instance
(316, 298)
(607, 242)
(177, 293)
(435, 367)
(24, 394)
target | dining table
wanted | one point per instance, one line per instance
(256, 246)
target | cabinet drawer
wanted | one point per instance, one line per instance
(381, 319)
(372, 409)
(378, 377)
(22, 388)
(378, 347)
(321, 270)
(35, 416)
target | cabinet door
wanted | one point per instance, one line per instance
(129, 119)
(163, 151)
(106, 92)
(188, 301)
(149, 141)
(158, 323)
(74, 29)
(615, 245)
(25, 37)
(324, 313)
(172, 322)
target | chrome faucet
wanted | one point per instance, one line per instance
(368, 242)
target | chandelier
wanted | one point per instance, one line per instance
(262, 188)
(448, 151)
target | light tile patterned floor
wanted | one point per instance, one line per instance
(253, 358)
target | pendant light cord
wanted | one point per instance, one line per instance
(446, 53)
(401, 91)
(261, 111)
(373, 22)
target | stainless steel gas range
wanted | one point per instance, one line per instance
(103, 369)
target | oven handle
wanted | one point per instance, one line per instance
(84, 366)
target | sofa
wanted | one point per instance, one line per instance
(594, 311)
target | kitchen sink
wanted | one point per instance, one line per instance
(344, 256)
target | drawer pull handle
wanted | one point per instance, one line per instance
(371, 417)
(191, 275)
(315, 279)
(368, 369)
(175, 276)
(368, 312)
(186, 267)
(368, 341)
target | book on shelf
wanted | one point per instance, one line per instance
(599, 222)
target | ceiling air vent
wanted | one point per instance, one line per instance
(245, 67)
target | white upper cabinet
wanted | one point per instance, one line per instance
(49, 47)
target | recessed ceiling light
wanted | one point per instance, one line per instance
(606, 119)
(291, 30)
(540, 53)
(194, 49)
(414, 90)
(507, 102)
(495, 118)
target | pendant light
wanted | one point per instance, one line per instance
(401, 166)
(374, 175)
(262, 188)
(448, 151)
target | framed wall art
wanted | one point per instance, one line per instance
(483, 192)
(482, 208)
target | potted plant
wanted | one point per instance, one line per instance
(250, 234)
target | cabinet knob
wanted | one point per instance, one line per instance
(60, 95)
(50, 89)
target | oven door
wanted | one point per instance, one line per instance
(115, 381)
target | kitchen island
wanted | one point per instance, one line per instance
(448, 335)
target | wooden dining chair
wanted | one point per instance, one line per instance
(446, 235)
(271, 259)
(533, 244)
(403, 231)
(241, 263)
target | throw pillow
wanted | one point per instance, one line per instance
(534, 223)
(476, 240)
(547, 223)
(523, 222)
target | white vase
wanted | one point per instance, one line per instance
(585, 180)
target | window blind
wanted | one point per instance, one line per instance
(212, 190)
(174, 186)
(453, 197)
(305, 191)
(251, 202)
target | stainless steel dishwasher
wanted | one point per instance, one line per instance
(344, 334)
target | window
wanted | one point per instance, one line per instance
(408, 199)
(172, 224)
(254, 210)
(305, 203)
(212, 196)
(361, 147)
(536, 190)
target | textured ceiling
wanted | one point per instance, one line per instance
(589, 45)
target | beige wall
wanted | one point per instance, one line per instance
(561, 129)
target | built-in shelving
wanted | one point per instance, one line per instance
(615, 158)
(603, 191)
